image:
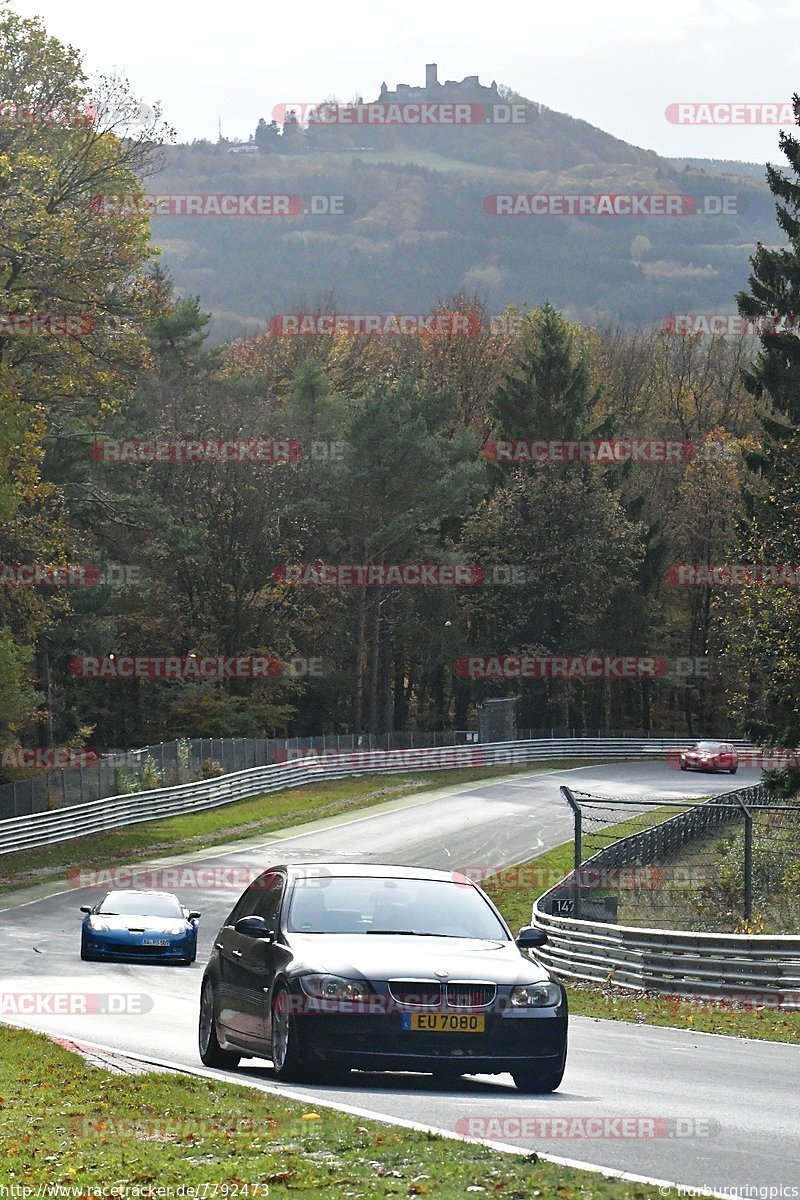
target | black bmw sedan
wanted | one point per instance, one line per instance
(328, 967)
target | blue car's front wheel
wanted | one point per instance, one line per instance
(85, 955)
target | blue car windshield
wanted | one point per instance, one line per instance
(138, 904)
(373, 904)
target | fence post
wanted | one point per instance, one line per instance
(748, 859)
(576, 861)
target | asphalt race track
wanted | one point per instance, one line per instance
(730, 1108)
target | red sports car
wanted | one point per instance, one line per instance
(710, 756)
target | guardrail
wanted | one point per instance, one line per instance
(114, 812)
(755, 967)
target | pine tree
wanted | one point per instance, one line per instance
(769, 618)
(546, 393)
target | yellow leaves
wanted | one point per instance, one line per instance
(311, 1116)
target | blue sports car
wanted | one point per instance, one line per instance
(147, 926)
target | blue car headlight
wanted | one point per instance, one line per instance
(536, 995)
(96, 925)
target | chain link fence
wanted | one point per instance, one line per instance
(725, 864)
(186, 760)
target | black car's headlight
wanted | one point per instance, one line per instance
(536, 995)
(334, 987)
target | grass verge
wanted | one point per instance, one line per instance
(233, 822)
(514, 897)
(69, 1125)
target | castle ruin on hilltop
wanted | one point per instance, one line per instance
(468, 89)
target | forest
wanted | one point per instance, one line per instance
(331, 510)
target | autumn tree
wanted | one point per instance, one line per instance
(61, 257)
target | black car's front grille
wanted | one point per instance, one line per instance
(416, 993)
(470, 995)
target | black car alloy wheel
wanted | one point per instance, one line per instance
(211, 1052)
(285, 1049)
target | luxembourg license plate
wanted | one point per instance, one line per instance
(444, 1022)
(155, 941)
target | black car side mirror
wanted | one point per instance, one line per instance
(194, 916)
(530, 938)
(86, 908)
(254, 927)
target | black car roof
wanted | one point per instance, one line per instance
(140, 892)
(369, 870)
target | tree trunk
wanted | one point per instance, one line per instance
(358, 689)
(376, 662)
(46, 720)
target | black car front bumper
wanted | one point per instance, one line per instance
(511, 1040)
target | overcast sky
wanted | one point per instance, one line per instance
(617, 64)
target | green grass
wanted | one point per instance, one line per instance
(68, 1124)
(515, 899)
(705, 1016)
(233, 822)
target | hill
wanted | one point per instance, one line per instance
(415, 227)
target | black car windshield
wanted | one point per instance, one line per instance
(398, 907)
(136, 904)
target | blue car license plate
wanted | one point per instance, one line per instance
(155, 941)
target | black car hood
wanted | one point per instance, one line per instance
(380, 958)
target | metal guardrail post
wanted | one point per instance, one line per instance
(748, 858)
(577, 852)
